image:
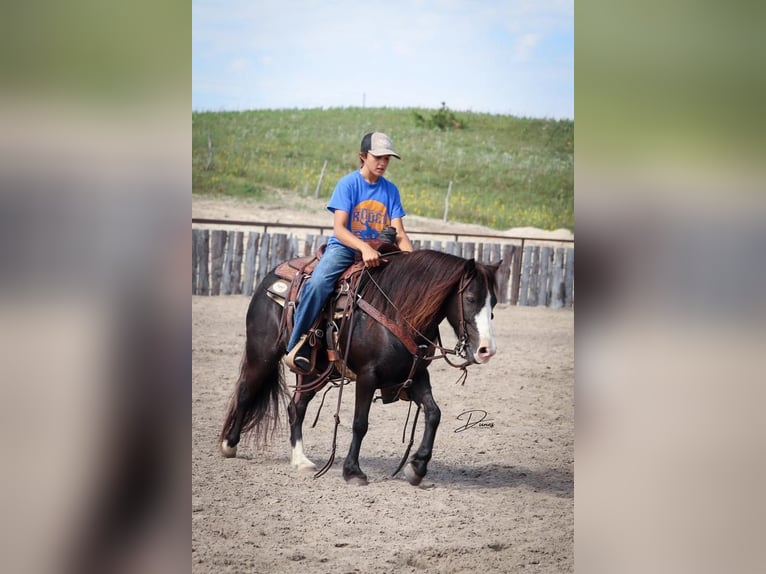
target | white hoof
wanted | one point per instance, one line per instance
(412, 477)
(299, 460)
(228, 451)
(306, 466)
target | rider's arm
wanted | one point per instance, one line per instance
(402, 239)
(370, 256)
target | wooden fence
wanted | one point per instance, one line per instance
(232, 262)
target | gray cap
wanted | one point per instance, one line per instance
(378, 144)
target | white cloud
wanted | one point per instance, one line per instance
(524, 46)
(239, 65)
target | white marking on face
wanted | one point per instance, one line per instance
(299, 460)
(487, 347)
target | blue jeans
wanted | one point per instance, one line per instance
(335, 260)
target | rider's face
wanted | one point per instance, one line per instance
(376, 165)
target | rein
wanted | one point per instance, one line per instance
(409, 342)
(330, 460)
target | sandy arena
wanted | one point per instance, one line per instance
(498, 497)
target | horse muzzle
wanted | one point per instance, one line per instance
(484, 353)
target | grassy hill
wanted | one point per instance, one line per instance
(505, 171)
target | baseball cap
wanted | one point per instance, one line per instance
(378, 144)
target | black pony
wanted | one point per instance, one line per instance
(415, 291)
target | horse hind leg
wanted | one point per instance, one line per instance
(352, 472)
(296, 412)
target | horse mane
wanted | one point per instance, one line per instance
(415, 285)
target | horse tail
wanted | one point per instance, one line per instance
(254, 407)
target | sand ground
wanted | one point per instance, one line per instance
(497, 498)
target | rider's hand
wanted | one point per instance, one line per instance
(370, 256)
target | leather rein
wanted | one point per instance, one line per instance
(421, 352)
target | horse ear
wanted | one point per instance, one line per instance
(470, 266)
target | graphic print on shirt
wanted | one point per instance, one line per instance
(369, 218)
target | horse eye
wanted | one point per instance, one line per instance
(471, 299)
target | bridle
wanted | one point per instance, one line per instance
(408, 340)
(462, 341)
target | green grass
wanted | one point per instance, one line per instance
(505, 171)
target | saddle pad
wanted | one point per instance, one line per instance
(279, 289)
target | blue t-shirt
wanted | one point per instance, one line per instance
(371, 207)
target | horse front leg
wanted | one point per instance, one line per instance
(351, 470)
(420, 392)
(296, 412)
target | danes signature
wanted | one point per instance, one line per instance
(474, 418)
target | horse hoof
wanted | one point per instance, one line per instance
(307, 466)
(228, 451)
(412, 477)
(357, 480)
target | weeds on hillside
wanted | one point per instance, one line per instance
(505, 171)
(443, 119)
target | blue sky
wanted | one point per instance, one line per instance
(504, 57)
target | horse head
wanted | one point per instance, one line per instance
(470, 311)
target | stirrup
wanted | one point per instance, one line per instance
(291, 356)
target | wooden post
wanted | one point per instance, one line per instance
(545, 260)
(446, 202)
(504, 274)
(263, 257)
(273, 258)
(217, 244)
(518, 255)
(307, 244)
(468, 250)
(321, 177)
(534, 277)
(228, 254)
(236, 264)
(250, 254)
(557, 280)
(283, 249)
(195, 233)
(203, 248)
(569, 278)
(437, 246)
(292, 247)
(495, 255)
(527, 268)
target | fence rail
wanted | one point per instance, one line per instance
(228, 262)
(265, 225)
